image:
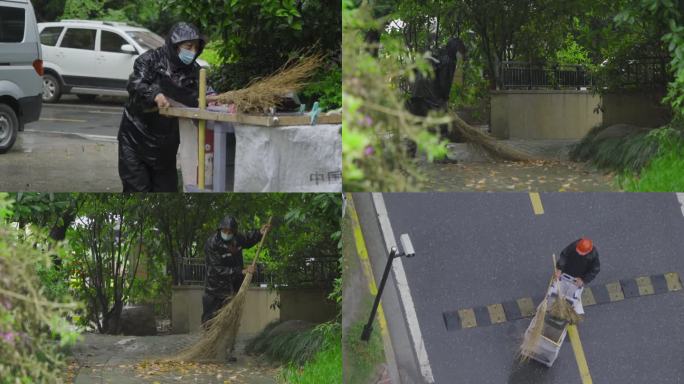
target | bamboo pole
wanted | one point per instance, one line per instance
(201, 128)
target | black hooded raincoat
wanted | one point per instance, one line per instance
(224, 259)
(148, 142)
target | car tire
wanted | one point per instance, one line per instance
(52, 88)
(86, 97)
(9, 127)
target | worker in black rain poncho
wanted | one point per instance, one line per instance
(225, 266)
(148, 141)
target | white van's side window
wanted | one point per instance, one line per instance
(12, 22)
(50, 35)
(79, 39)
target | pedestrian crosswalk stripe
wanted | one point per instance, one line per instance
(524, 307)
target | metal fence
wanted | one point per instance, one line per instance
(192, 271)
(521, 75)
(646, 72)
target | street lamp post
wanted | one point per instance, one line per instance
(408, 252)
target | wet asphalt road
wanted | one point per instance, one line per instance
(72, 148)
(476, 249)
(95, 120)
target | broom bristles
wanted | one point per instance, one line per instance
(264, 93)
(489, 144)
(561, 309)
(221, 331)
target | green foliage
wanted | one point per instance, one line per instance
(108, 245)
(83, 9)
(295, 347)
(34, 328)
(665, 171)
(623, 150)
(211, 55)
(376, 125)
(326, 367)
(645, 160)
(257, 37)
(325, 88)
(125, 248)
(363, 357)
(572, 53)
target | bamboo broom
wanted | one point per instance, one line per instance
(264, 93)
(530, 342)
(220, 332)
(489, 144)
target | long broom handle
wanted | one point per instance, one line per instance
(261, 243)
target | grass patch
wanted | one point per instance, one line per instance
(665, 172)
(620, 148)
(325, 367)
(297, 347)
(646, 160)
(362, 357)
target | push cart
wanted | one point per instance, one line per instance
(554, 330)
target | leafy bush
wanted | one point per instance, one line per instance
(665, 172)
(325, 88)
(376, 125)
(33, 327)
(617, 148)
(325, 365)
(296, 347)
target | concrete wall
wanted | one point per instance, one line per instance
(186, 310)
(294, 304)
(543, 114)
(556, 114)
(306, 304)
(643, 109)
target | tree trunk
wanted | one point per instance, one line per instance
(111, 321)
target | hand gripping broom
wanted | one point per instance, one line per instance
(221, 331)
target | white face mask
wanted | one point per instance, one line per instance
(226, 236)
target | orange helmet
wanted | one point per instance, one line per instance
(584, 246)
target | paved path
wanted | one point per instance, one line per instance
(131, 360)
(469, 170)
(541, 176)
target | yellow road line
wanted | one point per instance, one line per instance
(536, 203)
(365, 262)
(63, 120)
(579, 354)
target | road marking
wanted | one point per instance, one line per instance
(615, 291)
(107, 113)
(537, 206)
(579, 354)
(79, 106)
(588, 297)
(524, 307)
(496, 313)
(81, 135)
(63, 120)
(673, 281)
(404, 291)
(680, 198)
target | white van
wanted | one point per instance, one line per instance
(90, 58)
(21, 69)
